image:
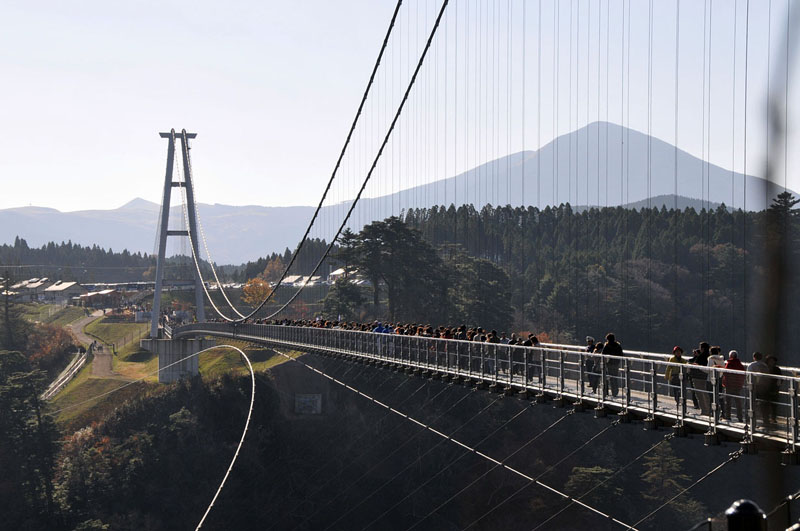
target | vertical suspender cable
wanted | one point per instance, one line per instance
(733, 165)
(649, 173)
(676, 216)
(745, 324)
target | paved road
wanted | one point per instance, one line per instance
(78, 326)
(101, 366)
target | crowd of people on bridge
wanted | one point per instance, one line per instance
(698, 385)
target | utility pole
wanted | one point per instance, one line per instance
(164, 231)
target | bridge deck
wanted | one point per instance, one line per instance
(560, 373)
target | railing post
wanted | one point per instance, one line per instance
(526, 368)
(581, 362)
(603, 379)
(792, 420)
(715, 407)
(483, 360)
(543, 370)
(751, 405)
(496, 365)
(510, 351)
(654, 385)
(561, 374)
(627, 383)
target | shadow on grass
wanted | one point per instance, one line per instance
(140, 356)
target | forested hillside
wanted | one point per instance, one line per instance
(656, 277)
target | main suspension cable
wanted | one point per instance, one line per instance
(369, 173)
(205, 245)
(324, 194)
(185, 153)
(333, 175)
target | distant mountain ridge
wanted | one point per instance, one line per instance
(549, 176)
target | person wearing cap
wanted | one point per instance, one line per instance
(672, 374)
(733, 383)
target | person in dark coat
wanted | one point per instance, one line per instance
(700, 376)
(612, 349)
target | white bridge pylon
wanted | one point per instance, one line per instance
(164, 231)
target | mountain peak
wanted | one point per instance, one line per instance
(139, 204)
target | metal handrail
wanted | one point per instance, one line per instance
(558, 371)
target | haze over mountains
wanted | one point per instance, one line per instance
(600, 164)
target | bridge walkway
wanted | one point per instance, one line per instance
(553, 372)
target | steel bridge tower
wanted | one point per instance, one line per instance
(164, 231)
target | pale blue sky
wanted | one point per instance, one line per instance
(271, 88)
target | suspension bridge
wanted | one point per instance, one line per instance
(598, 105)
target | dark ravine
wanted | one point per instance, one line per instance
(308, 470)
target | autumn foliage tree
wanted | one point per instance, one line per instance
(49, 346)
(255, 290)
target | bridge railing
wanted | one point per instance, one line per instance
(765, 405)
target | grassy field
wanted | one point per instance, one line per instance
(81, 402)
(136, 364)
(224, 360)
(124, 335)
(65, 316)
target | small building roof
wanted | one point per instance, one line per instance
(61, 286)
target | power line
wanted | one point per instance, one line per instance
(398, 448)
(609, 478)
(140, 380)
(417, 460)
(463, 454)
(241, 440)
(547, 471)
(246, 424)
(375, 443)
(733, 456)
(461, 444)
